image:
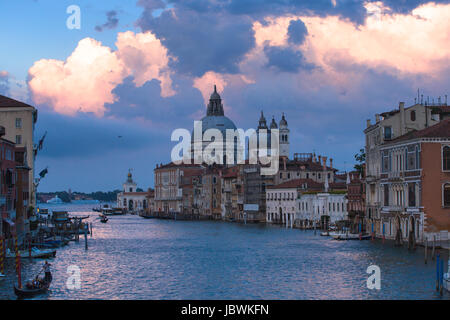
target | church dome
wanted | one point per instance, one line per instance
(217, 122)
(215, 119)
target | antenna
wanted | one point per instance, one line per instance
(445, 99)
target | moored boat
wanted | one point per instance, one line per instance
(349, 236)
(33, 253)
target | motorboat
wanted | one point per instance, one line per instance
(349, 236)
(33, 253)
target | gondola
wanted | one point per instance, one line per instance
(31, 292)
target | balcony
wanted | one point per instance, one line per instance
(395, 176)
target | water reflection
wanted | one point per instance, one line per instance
(133, 258)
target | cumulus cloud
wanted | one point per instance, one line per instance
(84, 82)
(111, 21)
(202, 39)
(4, 82)
(406, 43)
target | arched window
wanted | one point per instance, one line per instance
(413, 115)
(446, 194)
(446, 158)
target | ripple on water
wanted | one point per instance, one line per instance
(134, 258)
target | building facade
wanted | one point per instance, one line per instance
(7, 186)
(415, 186)
(388, 127)
(130, 200)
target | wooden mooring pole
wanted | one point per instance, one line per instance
(434, 248)
(437, 272)
(85, 238)
(2, 257)
(426, 249)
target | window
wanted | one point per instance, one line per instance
(387, 133)
(386, 161)
(18, 122)
(447, 195)
(411, 194)
(18, 139)
(386, 194)
(413, 115)
(446, 158)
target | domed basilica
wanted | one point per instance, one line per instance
(215, 119)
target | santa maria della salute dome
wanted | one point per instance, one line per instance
(216, 119)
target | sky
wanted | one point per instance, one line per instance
(140, 69)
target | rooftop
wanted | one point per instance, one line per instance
(6, 102)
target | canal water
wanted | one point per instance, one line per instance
(134, 258)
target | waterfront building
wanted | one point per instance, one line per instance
(168, 186)
(254, 192)
(303, 202)
(232, 194)
(131, 200)
(19, 119)
(7, 186)
(191, 189)
(387, 127)
(356, 201)
(211, 192)
(414, 185)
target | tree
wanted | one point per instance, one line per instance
(361, 160)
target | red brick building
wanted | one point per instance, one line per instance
(7, 186)
(415, 186)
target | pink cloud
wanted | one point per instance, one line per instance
(412, 43)
(84, 82)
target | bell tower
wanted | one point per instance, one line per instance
(284, 137)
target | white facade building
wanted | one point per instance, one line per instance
(281, 205)
(129, 199)
(313, 207)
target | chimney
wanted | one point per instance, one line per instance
(2, 131)
(377, 118)
(324, 160)
(320, 159)
(331, 163)
(401, 106)
(368, 123)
